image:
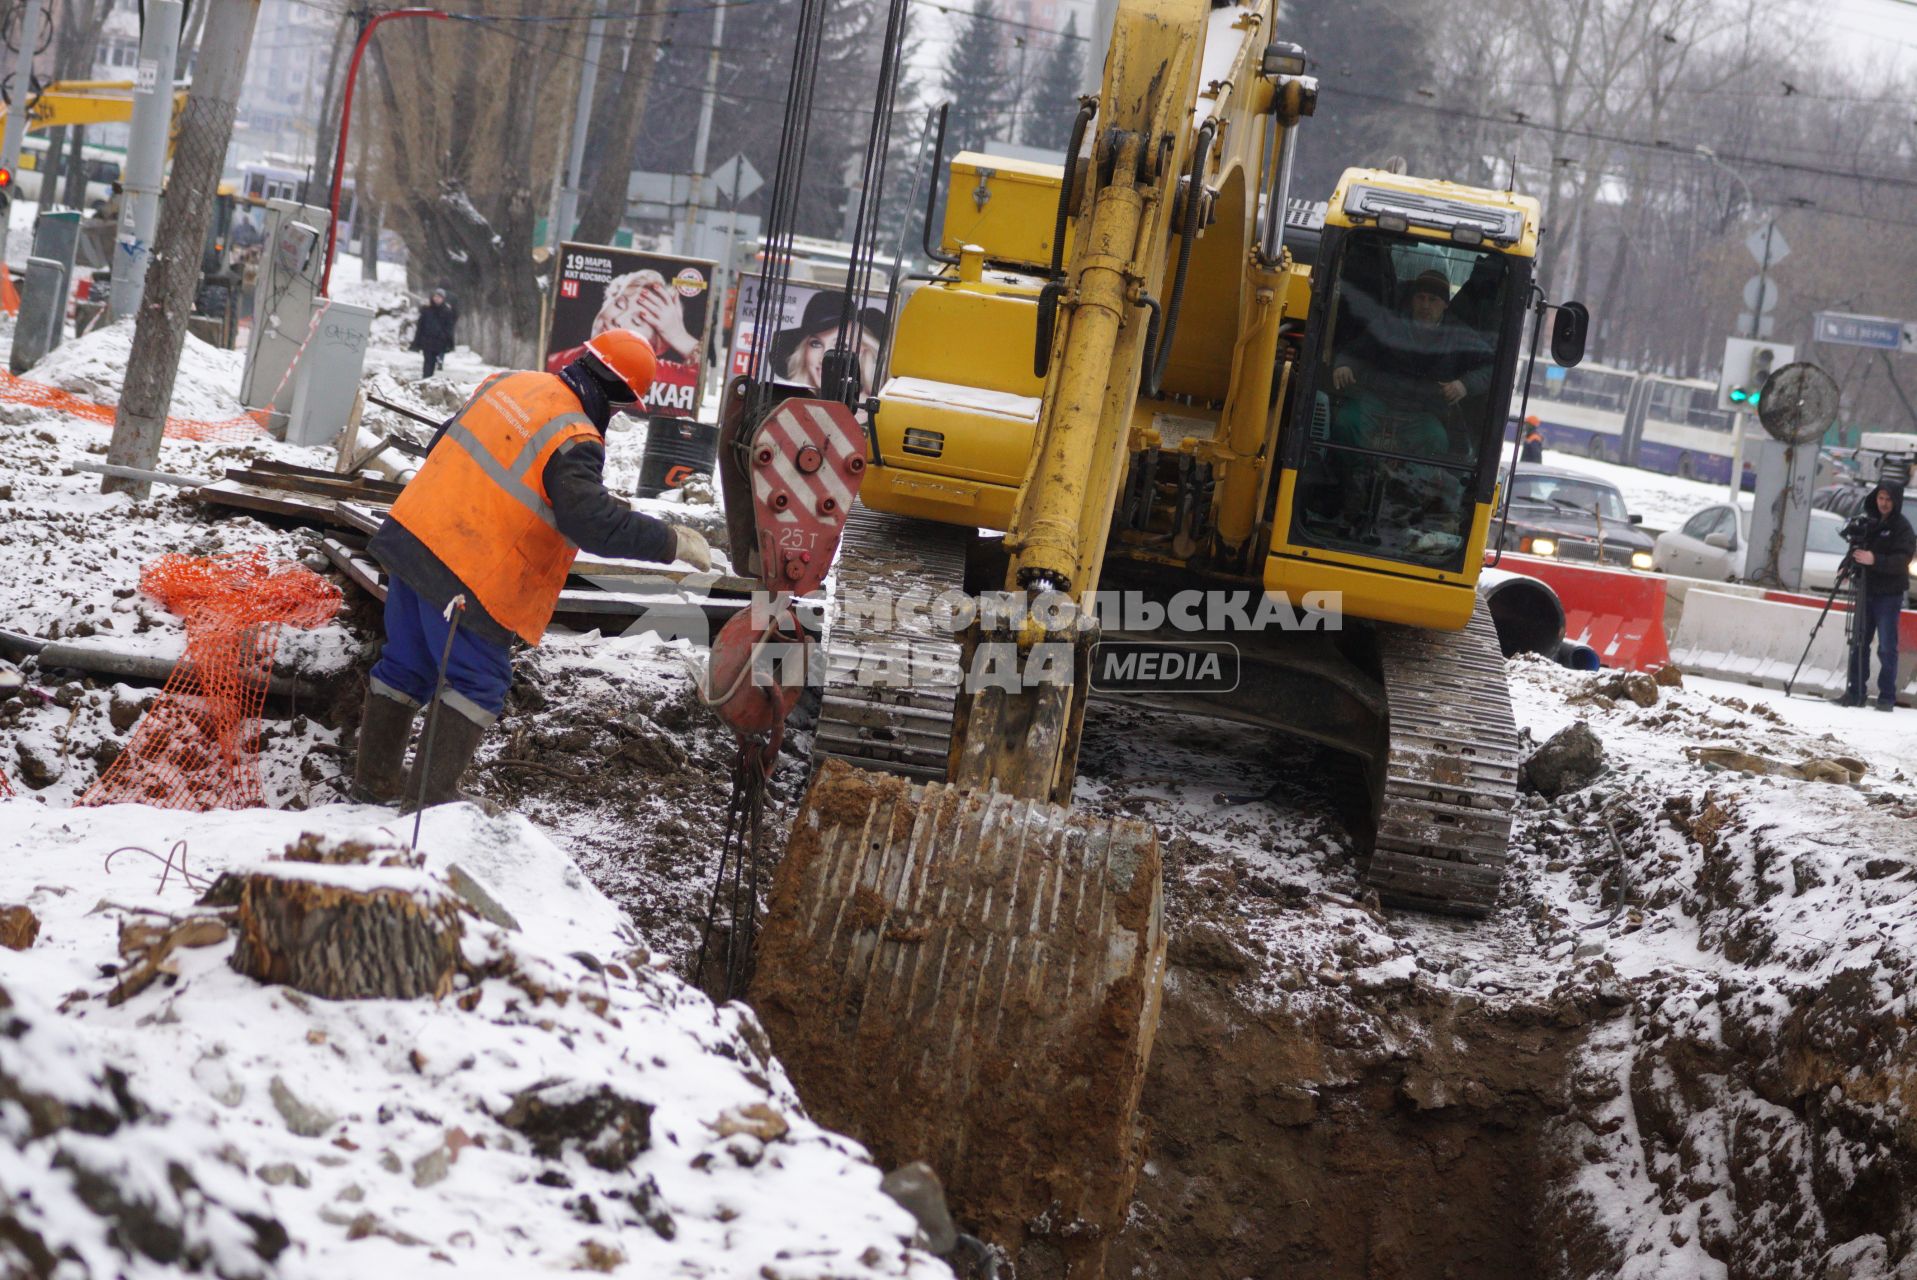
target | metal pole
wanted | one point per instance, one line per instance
(1757, 320)
(696, 180)
(1737, 455)
(581, 120)
(145, 155)
(345, 123)
(22, 89)
(723, 279)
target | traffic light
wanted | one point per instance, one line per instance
(1748, 364)
(1750, 392)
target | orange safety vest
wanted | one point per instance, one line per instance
(480, 502)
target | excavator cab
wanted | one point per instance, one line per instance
(1417, 314)
(1401, 415)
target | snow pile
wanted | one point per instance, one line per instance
(93, 366)
(569, 1105)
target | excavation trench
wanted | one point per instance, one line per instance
(1388, 1134)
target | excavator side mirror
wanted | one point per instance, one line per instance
(1568, 331)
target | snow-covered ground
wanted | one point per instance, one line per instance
(273, 1132)
(213, 1121)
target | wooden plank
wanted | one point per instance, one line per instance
(273, 466)
(363, 516)
(329, 486)
(245, 497)
(360, 569)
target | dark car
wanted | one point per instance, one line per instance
(1575, 518)
(1845, 499)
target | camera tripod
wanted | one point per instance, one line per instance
(1847, 573)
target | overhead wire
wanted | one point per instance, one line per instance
(1672, 147)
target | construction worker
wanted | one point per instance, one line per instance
(479, 545)
(1533, 447)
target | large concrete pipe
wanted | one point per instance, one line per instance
(1525, 611)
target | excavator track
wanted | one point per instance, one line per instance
(1451, 770)
(891, 677)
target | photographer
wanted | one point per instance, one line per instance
(1881, 542)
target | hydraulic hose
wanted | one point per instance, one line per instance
(932, 193)
(1194, 188)
(1087, 108)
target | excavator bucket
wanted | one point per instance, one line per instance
(972, 980)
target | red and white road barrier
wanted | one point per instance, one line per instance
(1618, 612)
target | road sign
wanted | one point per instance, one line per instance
(736, 179)
(1857, 331)
(1760, 294)
(1777, 250)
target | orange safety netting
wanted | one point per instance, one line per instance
(198, 748)
(248, 426)
(6, 788)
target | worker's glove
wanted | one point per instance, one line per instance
(690, 546)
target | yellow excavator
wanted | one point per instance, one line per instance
(1128, 443)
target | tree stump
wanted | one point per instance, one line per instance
(348, 932)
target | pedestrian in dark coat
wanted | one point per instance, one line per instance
(433, 334)
(1884, 551)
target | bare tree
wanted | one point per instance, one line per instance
(618, 110)
(76, 34)
(467, 152)
(206, 130)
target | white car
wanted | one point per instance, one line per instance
(1713, 544)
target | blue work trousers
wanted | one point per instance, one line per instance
(478, 670)
(1877, 620)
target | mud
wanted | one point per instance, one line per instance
(1392, 1136)
(982, 1012)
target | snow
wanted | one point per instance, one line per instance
(395, 1082)
(93, 366)
(414, 1159)
(1732, 927)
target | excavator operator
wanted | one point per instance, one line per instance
(478, 546)
(1402, 375)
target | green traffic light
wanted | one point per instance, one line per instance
(1756, 398)
(1739, 395)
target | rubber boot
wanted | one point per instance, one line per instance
(454, 741)
(384, 726)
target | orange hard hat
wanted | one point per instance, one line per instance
(1531, 420)
(626, 357)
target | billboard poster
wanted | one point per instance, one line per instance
(806, 328)
(666, 300)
